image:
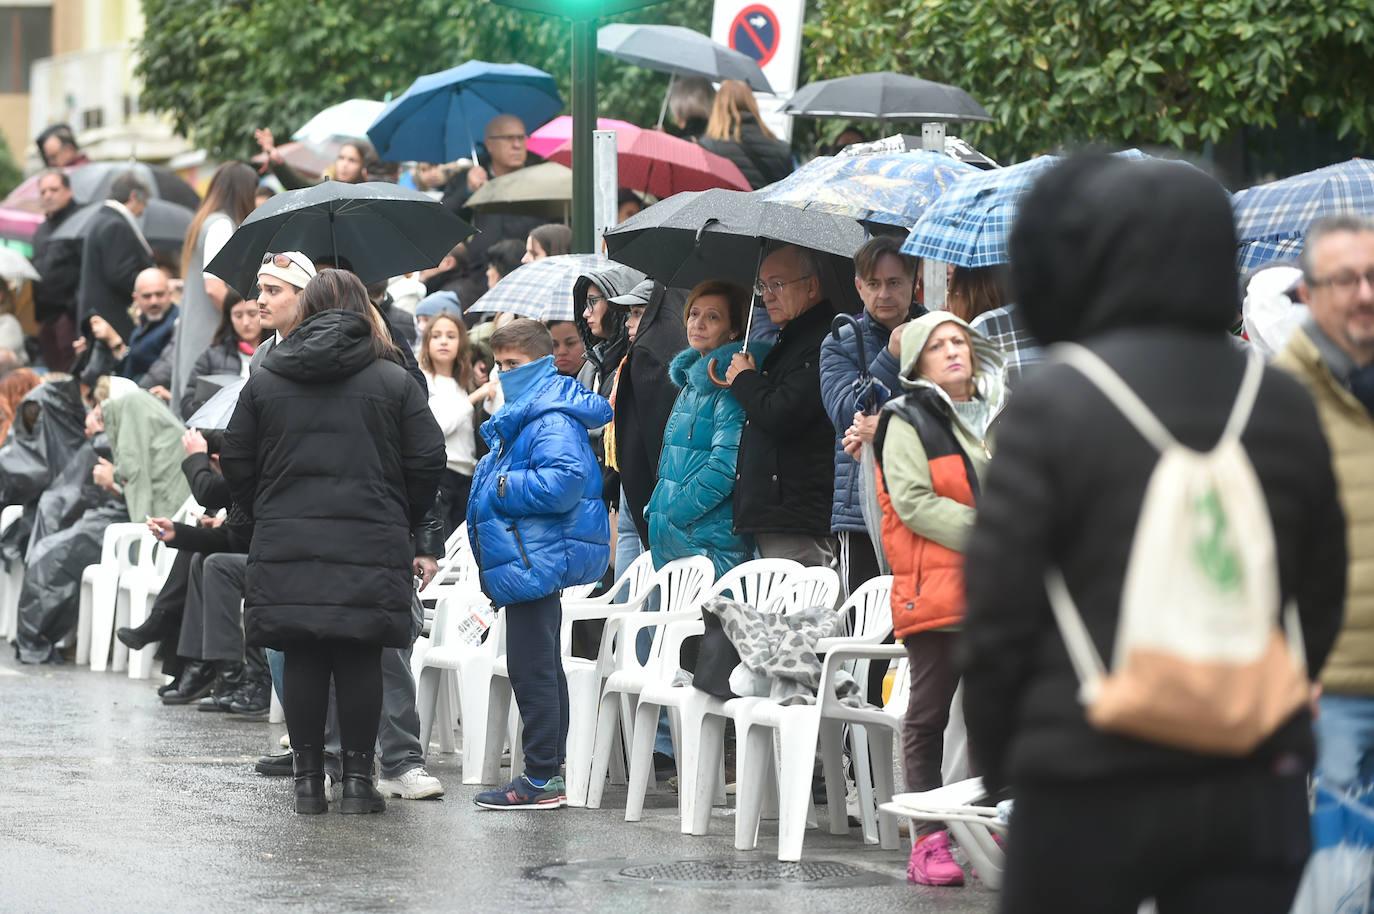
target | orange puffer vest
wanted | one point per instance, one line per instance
(927, 578)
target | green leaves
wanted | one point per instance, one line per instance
(1061, 72)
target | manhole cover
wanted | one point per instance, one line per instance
(741, 871)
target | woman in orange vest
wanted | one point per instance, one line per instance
(932, 448)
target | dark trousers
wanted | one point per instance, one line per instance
(535, 662)
(356, 672)
(1230, 842)
(934, 677)
(167, 610)
(859, 564)
(212, 628)
(55, 337)
(454, 489)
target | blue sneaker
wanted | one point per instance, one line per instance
(522, 794)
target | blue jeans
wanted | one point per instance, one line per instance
(1345, 741)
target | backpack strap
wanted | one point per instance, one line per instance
(1087, 663)
(1091, 366)
(1245, 398)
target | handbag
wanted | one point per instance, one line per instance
(716, 659)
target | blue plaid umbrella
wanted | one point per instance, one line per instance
(968, 225)
(1272, 219)
(541, 289)
(892, 189)
(443, 116)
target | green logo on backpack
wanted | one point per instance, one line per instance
(1213, 554)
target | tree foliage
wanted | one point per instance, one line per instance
(223, 67)
(1167, 72)
(10, 172)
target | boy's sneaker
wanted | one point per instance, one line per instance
(415, 784)
(522, 794)
(931, 862)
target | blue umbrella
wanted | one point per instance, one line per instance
(1272, 219)
(968, 225)
(891, 189)
(443, 116)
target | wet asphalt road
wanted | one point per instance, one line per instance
(112, 802)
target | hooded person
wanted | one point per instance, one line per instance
(146, 442)
(601, 325)
(1065, 490)
(14, 388)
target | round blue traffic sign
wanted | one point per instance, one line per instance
(755, 32)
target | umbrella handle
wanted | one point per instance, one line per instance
(842, 320)
(715, 378)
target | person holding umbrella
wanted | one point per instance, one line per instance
(786, 461)
(886, 280)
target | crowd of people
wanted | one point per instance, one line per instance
(374, 423)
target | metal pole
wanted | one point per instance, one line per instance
(584, 120)
(607, 181)
(663, 109)
(933, 271)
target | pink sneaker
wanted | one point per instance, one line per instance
(931, 862)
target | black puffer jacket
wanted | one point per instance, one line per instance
(221, 358)
(786, 467)
(335, 456)
(1069, 475)
(761, 159)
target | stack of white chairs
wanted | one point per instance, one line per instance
(11, 580)
(975, 826)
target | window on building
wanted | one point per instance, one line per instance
(25, 36)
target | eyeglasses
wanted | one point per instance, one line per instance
(594, 300)
(280, 261)
(763, 288)
(509, 138)
(1345, 283)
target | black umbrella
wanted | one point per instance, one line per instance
(382, 230)
(91, 182)
(885, 96)
(164, 224)
(700, 235)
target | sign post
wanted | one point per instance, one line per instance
(770, 32)
(584, 15)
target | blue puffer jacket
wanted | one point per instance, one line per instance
(535, 517)
(839, 371)
(691, 511)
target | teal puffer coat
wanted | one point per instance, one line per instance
(691, 511)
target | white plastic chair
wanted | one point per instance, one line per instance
(95, 622)
(138, 588)
(975, 827)
(11, 580)
(683, 585)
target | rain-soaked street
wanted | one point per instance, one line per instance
(113, 802)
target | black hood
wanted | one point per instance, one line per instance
(325, 347)
(1103, 243)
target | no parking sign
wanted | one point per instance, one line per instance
(768, 31)
(755, 31)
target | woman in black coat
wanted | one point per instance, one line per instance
(737, 132)
(334, 456)
(236, 339)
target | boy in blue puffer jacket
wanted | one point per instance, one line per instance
(537, 524)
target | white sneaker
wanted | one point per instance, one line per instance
(415, 784)
(285, 741)
(329, 785)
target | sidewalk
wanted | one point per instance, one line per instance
(113, 802)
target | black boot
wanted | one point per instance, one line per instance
(359, 794)
(196, 681)
(229, 678)
(135, 639)
(309, 771)
(253, 700)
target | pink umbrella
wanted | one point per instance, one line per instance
(559, 131)
(663, 165)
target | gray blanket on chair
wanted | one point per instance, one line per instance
(777, 652)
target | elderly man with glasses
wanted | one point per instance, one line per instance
(1332, 354)
(785, 472)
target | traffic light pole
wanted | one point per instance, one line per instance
(584, 120)
(584, 15)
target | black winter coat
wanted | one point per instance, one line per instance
(59, 263)
(111, 260)
(1066, 484)
(786, 467)
(645, 399)
(762, 160)
(335, 457)
(221, 358)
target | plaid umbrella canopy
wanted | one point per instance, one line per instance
(889, 189)
(541, 289)
(1272, 219)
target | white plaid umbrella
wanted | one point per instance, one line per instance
(1272, 219)
(541, 289)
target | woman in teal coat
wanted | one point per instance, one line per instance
(691, 510)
